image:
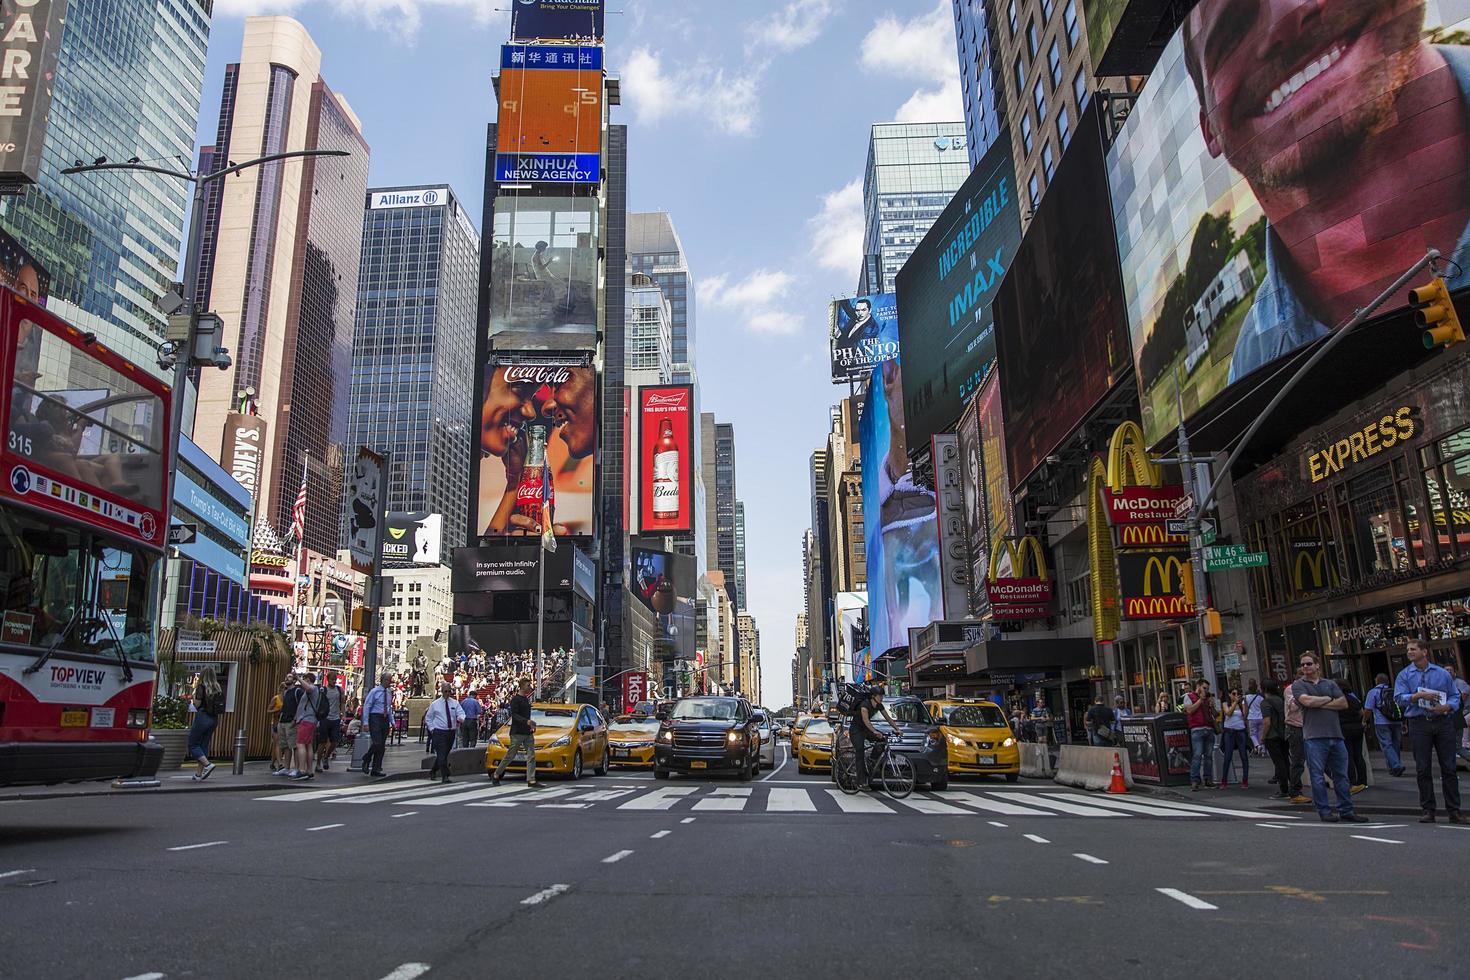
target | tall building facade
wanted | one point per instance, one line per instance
(819, 575)
(127, 85)
(750, 655)
(648, 333)
(913, 171)
(725, 549)
(614, 467)
(413, 350)
(654, 249)
(286, 246)
(984, 115)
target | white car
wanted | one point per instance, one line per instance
(768, 740)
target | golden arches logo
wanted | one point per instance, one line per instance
(1018, 549)
(1169, 569)
(1139, 535)
(1320, 567)
(1128, 462)
(1105, 614)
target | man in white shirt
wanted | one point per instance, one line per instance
(442, 720)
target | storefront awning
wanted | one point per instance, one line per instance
(1028, 654)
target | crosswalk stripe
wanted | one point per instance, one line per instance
(1060, 805)
(1226, 811)
(659, 799)
(325, 794)
(934, 807)
(861, 803)
(790, 801)
(1130, 805)
(722, 803)
(479, 794)
(603, 795)
(999, 806)
(435, 789)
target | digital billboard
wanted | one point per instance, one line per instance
(509, 567)
(664, 584)
(549, 127)
(415, 537)
(666, 459)
(946, 296)
(1060, 333)
(22, 271)
(32, 30)
(557, 19)
(544, 279)
(976, 510)
(1276, 174)
(899, 522)
(864, 333)
(526, 407)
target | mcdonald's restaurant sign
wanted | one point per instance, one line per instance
(1022, 596)
(1150, 535)
(1156, 584)
(1143, 505)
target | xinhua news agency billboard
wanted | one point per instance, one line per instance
(557, 20)
(1284, 163)
(549, 130)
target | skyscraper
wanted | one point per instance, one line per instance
(974, 23)
(127, 84)
(654, 249)
(614, 389)
(707, 477)
(913, 171)
(413, 351)
(740, 581)
(725, 551)
(285, 244)
(649, 338)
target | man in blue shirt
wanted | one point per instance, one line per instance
(1427, 693)
(469, 729)
(1386, 726)
(377, 710)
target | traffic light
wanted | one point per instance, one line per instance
(362, 620)
(1435, 312)
(1213, 627)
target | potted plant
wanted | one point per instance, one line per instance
(170, 729)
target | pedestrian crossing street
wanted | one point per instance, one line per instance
(766, 799)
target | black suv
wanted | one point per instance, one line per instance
(708, 734)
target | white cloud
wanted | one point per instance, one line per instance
(794, 26)
(944, 104)
(653, 93)
(402, 17)
(837, 230)
(761, 299)
(923, 47)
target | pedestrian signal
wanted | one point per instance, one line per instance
(1435, 312)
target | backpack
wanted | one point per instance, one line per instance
(851, 698)
(216, 705)
(1387, 705)
(320, 707)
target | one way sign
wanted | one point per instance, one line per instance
(182, 533)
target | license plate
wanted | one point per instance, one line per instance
(622, 753)
(986, 760)
(73, 719)
(698, 765)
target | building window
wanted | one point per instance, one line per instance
(1020, 74)
(1079, 88)
(1079, 597)
(1054, 64)
(1038, 95)
(1035, 190)
(1047, 7)
(1027, 139)
(1064, 127)
(1074, 29)
(1033, 39)
(1048, 161)
(1011, 16)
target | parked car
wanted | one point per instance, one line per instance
(708, 734)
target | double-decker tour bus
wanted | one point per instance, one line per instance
(83, 503)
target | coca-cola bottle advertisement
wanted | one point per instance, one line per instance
(538, 440)
(666, 454)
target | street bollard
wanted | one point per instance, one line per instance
(240, 752)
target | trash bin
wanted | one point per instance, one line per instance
(1158, 748)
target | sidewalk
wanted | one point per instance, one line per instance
(399, 762)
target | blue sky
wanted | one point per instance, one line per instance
(748, 122)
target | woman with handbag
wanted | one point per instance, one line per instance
(209, 704)
(1235, 738)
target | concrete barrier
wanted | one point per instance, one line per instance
(462, 762)
(1091, 768)
(1036, 761)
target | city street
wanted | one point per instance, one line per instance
(401, 878)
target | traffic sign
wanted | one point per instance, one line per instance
(1221, 551)
(182, 533)
(1228, 557)
(1180, 525)
(1208, 532)
(194, 646)
(1185, 507)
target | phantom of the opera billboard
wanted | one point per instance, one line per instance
(863, 333)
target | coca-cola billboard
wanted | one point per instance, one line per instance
(665, 459)
(538, 437)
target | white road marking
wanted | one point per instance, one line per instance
(861, 803)
(325, 826)
(408, 814)
(687, 820)
(1202, 808)
(545, 894)
(1129, 805)
(996, 823)
(790, 801)
(660, 835)
(1089, 859)
(615, 858)
(19, 871)
(774, 772)
(563, 806)
(1187, 899)
(477, 794)
(537, 796)
(603, 795)
(146, 976)
(324, 794)
(660, 799)
(1036, 840)
(1328, 826)
(933, 807)
(1376, 840)
(413, 793)
(726, 803)
(1061, 805)
(408, 971)
(192, 847)
(999, 806)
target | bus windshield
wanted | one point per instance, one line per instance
(74, 591)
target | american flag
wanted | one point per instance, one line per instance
(298, 509)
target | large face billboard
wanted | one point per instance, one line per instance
(1059, 326)
(549, 127)
(863, 333)
(1285, 163)
(529, 405)
(946, 293)
(666, 459)
(901, 531)
(544, 272)
(557, 19)
(977, 531)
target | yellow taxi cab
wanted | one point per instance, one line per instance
(803, 719)
(630, 739)
(814, 753)
(570, 739)
(978, 736)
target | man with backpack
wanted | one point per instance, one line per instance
(311, 710)
(1387, 719)
(1099, 721)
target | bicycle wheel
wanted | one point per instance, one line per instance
(898, 775)
(846, 771)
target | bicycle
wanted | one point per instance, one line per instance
(894, 770)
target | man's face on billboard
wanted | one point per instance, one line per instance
(863, 308)
(574, 406)
(1289, 88)
(506, 408)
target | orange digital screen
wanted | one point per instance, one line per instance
(549, 111)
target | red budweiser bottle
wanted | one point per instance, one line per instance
(533, 475)
(666, 474)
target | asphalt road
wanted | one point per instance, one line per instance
(630, 878)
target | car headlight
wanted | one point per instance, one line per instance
(1008, 743)
(666, 736)
(733, 736)
(931, 741)
(562, 742)
(955, 739)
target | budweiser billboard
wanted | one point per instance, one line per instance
(665, 459)
(538, 424)
(1143, 505)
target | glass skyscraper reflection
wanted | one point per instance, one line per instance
(913, 171)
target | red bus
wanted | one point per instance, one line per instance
(83, 508)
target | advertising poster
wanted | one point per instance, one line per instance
(1143, 756)
(976, 508)
(413, 537)
(1060, 331)
(666, 459)
(1152, 584)
(510, 567)
(22, 271)
(899, 522)
(557, 19)
(544, 273)
(863, 334)
(996, 469)
(32, 31)
(549, 129)
(1254, 208)
(954, 550)
(664, 584)
(946, 295)
(553, 405)
(365, 499)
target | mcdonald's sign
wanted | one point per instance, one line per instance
(1148, 536)
(1021, 596)
(1156, 584)
(1136, 491)
(1312, 568)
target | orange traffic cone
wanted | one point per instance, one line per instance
(1117, 785)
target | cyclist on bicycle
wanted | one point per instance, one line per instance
(861, 731)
